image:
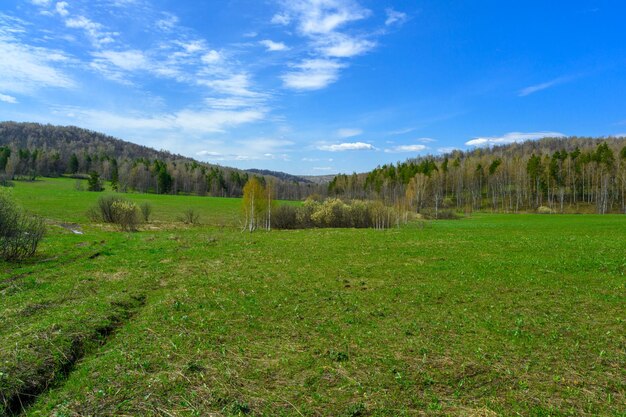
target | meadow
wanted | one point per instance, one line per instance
(484, 316)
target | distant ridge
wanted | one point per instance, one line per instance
(27, 135)
(29, 150)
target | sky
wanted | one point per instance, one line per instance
(316, 87)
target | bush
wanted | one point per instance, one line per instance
(115, 210)
(125, 215)
(20, 233)
(146, 211)
(335, 213)
(440, 214)
(103, 212)
(190, 216)
(544, 210)
(285, 217)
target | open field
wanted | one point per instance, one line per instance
(489, 315)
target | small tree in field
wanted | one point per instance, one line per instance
(94, 183)
(254, 204)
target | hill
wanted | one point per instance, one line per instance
(29, 150)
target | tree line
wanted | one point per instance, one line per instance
(562, 174)
(31, 150)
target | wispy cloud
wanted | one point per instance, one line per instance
(312, 74)
(348, 146)
(349, 133)
(512, 138)
(406, 149)
(167, 22)
(323, 25)
(261, 148)
(25, 68)
(395, 17)
(186, 120)
(544, 86)
(274, 46)
(8, 99)
(401, 131)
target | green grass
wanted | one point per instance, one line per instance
(489, 315)
(57, 199)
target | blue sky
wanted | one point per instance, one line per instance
(316, 86)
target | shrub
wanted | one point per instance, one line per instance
(285, 217)
(360, 214)
(125, 215)
(190, 216)
(103, 212)
(335, 213)
(146, 211)
(20, 233)
(440, 214)
(115, 210)
(544, 210)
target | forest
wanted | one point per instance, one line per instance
(31, 150)
(555, 174)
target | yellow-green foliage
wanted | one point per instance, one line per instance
(125, 215)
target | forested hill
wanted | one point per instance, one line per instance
(561, 174)
(72, 139)
(29, 150)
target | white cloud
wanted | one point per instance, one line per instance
(323, 23)
(127, 60)
(215, 121)
(8, 99)
(25, 68)
(41, 3)
(406, 149)
(211, 57)
(543, 86)
(395, 17)
(512, 138)
(233, 102)
(281, 19)
(321, 16)
(235, 85)
(248, 150)
(186, 120)
(92, 29)
(342, 46)
(348, 133)
(348, 146)
(168, 22)
(323, 168)
(61, 8)
(274, 46)
(312, 74)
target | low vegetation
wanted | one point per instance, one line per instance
(335, 213)
(118, 211)
(473, 317)
(20, 233)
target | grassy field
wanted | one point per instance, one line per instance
(489, 315)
